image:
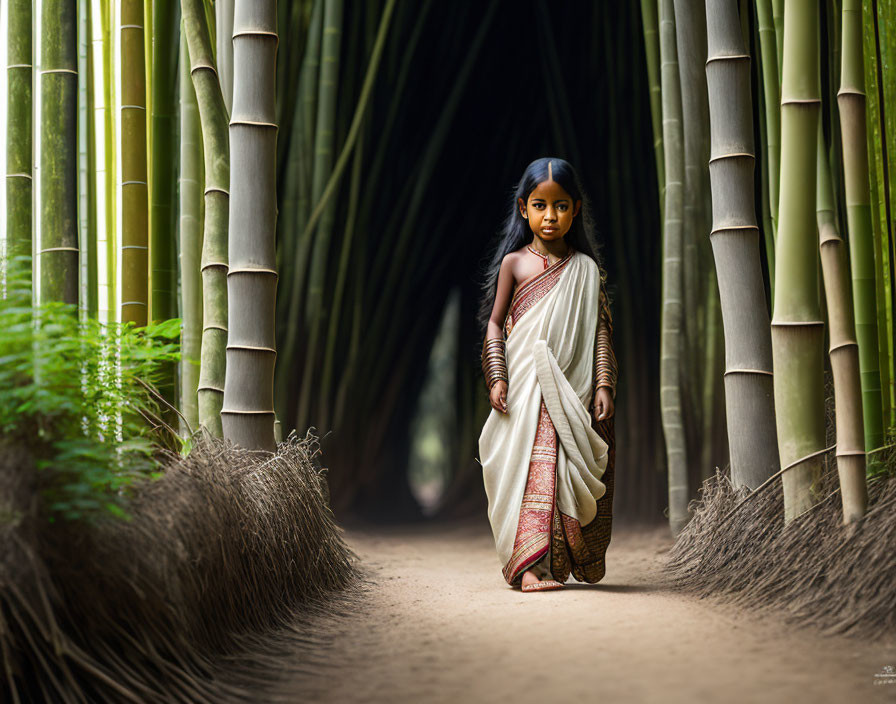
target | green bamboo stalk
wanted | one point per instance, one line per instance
(844, 350)
(165, 45)
(735, 243)
(216, 150)
(797, 328)
(778, 19)
(351, 224)
(851, 101)
(772, 93)
(224, 48)
(297, 186)
(19, 139)
(671, 331)
(324, 143)
(296, 199)
(768, 227)
(690, 31)
(391, 285)
(111, 167)
(652, 55)
(248, 411)
(883, 274)
(880, 52)
(58, 153)
(190, 197)
(317, 314)
(134, 191)
(87, 168)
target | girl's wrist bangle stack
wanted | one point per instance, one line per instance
(494, 363)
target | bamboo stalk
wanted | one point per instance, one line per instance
(351, 224)
(297, 191)
(797, 328)
(324, 144)
(111, 168)
(134, 190)
(190, 240)
(690, 32)
(772, 93)
(248, 411)
(165, 45)
(671, 330)
(735, 243)
(58, 153)
(19, 125)
(216, 151)
(844, 350)
(851, 101)
(319, 315)
(224, 49)
(778, 20)
(393, 286)
(883, 52)
(652, 55)
(87, 193)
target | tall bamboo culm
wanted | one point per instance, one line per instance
(771, 86)
(134, 235)
(58, 152)
(749, 388)
(650, 20)
(224, 48)
(797, 327)
(216, 152)
(844, 350)
(851, 102)
(670, 340)
(190, 197)
(165, 46)
(19, 140)
(248, 412)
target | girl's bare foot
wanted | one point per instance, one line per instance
(529, 577)
(531, 582)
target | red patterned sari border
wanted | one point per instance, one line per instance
(533, 535)
(533, 290)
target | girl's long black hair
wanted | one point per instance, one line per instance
(516, 232)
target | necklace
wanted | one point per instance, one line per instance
(545, 257)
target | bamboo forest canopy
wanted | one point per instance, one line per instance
(172, 160)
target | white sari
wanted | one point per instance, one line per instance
(550, 337)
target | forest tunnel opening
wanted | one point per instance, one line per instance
(489, 88)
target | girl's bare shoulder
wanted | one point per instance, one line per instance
(515, 255)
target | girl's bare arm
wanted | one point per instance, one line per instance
(502, 299)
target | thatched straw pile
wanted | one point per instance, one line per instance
(227, 545)
(815, 571)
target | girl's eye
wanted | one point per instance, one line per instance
(562, 206)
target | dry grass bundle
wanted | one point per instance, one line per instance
(815, 570)
(226, 545)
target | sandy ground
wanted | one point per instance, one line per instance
(439, 624)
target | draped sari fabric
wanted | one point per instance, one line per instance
(544, 460)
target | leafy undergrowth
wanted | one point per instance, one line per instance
(78, 394)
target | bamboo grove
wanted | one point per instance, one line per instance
(804, 264)
(306, 184)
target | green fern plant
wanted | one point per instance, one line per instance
(79, 396)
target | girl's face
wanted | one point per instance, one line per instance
(550, 210)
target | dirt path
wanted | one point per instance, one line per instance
(441, 625)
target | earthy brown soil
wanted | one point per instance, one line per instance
(439, 624)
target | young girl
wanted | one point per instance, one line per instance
(547, 448)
